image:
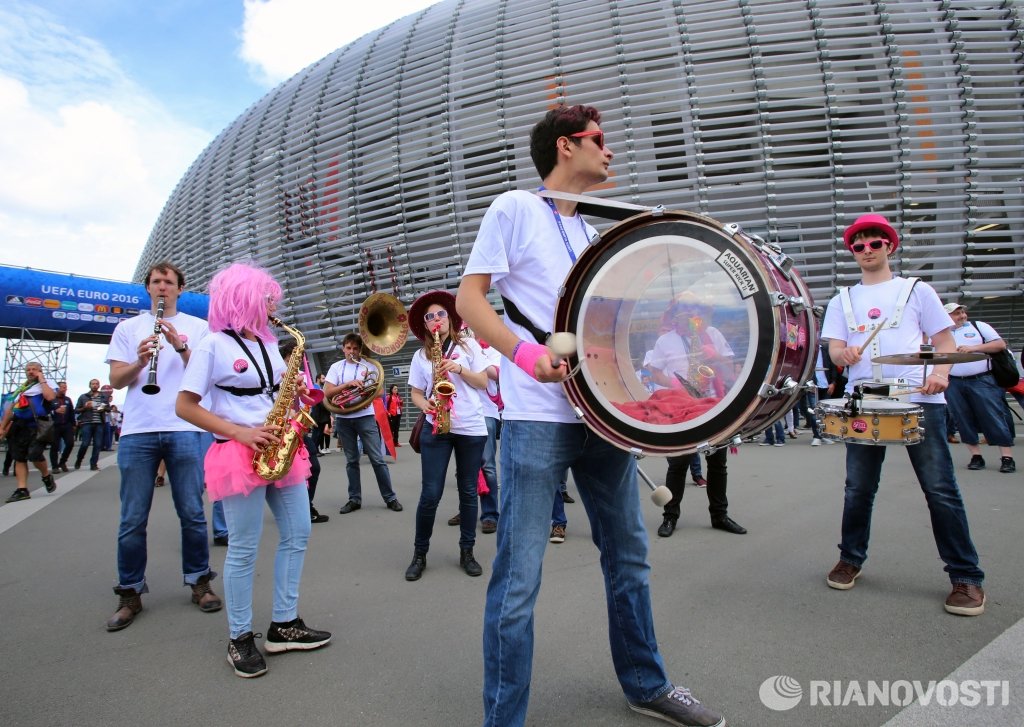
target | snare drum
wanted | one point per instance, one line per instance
(663, 284)
(880, 421)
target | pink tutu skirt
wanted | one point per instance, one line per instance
(229, 470)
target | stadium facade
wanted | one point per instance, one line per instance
(370, 170)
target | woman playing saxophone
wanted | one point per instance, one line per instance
(241, 378)
(457, 362)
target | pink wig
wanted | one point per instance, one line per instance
(240, 297)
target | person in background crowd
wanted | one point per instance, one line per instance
(91, 413)
(62, 411)
(977, 402)
(393, 406)
(19, 426)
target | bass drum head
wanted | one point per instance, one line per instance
(655, 287)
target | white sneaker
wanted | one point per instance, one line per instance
(815, 442)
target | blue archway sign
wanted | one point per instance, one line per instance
(60, 306)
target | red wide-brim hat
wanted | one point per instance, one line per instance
(443, 298)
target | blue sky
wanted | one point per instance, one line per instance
(106, 103)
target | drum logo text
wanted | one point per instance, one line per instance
(859, 425)
(737, 270)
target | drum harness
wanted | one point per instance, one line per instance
(892, 322)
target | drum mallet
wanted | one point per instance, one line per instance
(660, 496)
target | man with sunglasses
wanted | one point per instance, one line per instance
(907, 311)
(525, 246)
(345, 376)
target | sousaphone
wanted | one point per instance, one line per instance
(383, 327)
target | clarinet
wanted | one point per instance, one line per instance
(151, 387)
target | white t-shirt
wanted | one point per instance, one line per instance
(344, 371)
(154, 412)
(967, 335)
(923, 314)
(520, 247)
(671, 353)
(467, 414)
(220, 360)
(492, 357)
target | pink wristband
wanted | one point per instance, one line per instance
(526, 356)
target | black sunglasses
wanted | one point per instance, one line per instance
(858, 247)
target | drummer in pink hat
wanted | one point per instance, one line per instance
(894, 315)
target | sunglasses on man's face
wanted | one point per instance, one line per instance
(596, 133)
(858, 247)
(440, 315)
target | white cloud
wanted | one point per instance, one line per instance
(88, 157)
(281, 37)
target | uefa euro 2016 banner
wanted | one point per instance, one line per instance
(87, 308)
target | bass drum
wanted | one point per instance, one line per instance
(660, 284)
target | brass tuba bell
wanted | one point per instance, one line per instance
(383, 326)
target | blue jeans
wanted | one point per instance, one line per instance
(351, 431)
(533, 456)
(290, 506)
(775, 434)
(92, 433)
(489, 502)
(435, 454)
(138, 457)
(934, 468)
(979, 405)
(558, 508)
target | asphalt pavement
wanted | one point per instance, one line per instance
(746, 621)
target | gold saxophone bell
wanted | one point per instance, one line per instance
(383, 326)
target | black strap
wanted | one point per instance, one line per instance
(265, 388)
(251, 391)
(983, 342)
(517, 317)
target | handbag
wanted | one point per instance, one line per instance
(1004, 368)
(414, 435)
(1002, 365)
(44, 430)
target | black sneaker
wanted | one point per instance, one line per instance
(977, 462)
(293, 636)
(19, 494)
(679, 707)
(468, 562)
(245, 658)
(350, 506)
(316, 517)
(1007, 465)
(567, 498)
(395, 506)
(50, 483)
(416, 568)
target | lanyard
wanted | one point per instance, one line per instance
(561, 229)
(267, 388)
(344, 365)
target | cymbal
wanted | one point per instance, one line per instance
(920, 359)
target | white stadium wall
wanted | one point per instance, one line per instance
(370, 170)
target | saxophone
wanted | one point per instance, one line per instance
(273, 461)
(699, 373)
(444, 390)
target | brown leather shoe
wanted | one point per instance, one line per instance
(455, 519)
(966, 600)
(204, 597)
(842, 576)
(128, 605)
